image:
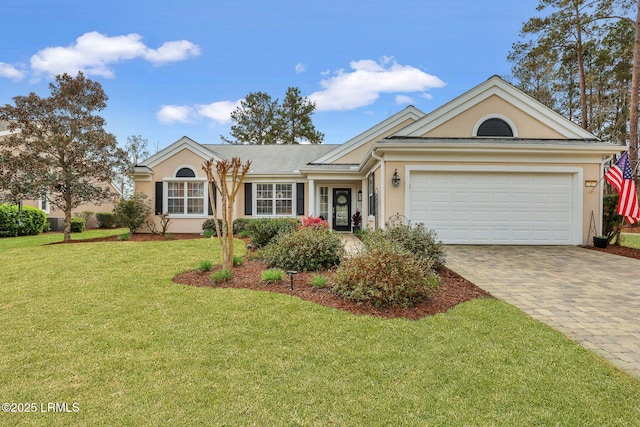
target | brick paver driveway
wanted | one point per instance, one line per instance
(591, 297)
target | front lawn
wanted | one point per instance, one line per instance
(102, 325)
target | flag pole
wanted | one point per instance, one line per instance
(602, 177)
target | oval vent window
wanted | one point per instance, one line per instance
(185, 173)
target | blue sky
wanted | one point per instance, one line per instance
(179, 68)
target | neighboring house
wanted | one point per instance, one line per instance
(493, 166)
(55, 216)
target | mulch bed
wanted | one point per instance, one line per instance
(453, 290)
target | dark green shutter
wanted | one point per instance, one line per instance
(300, 198)
(248, 197)
(159, 196)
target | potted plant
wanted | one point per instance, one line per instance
(356, 218)
(600, 241)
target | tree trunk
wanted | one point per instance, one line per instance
(583, 80)
(67, 222)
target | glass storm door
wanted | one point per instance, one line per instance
(342, 209)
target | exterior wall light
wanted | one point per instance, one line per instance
(359, 195)
(395, 179)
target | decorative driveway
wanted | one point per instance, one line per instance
(591, 297)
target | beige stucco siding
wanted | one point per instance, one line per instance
(356, 155)
(462, 125)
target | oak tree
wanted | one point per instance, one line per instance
(58, 148)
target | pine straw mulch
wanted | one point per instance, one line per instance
(453, 289)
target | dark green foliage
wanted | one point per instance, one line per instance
(210, 224)
(263, 230)
(417, 239)
(240, 225)
(106, 220)
(27, 221)
(77, 225)
(308, 249)
(31, 221)
(385, 275)
(611, 220)
(133, 213)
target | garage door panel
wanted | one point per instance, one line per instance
(494, 208)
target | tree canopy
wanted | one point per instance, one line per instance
(260, 120)
(58, 148)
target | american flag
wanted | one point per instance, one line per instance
(620, 176)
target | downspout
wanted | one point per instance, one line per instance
(383, 180)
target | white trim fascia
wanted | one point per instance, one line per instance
(181, 144)
(409, 112)
(577, 179)
(496, 86)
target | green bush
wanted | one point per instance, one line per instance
(273, 275)
(223, 275)
(308, 249)
(8, 220)
(318, 282)
(417, 239)
(132, 213)
(77, 225)
(237, 260)
(27, 221)
(210, 225)
(205, 265)
(240, 225)
(263, 230)
(385, 275)
(106, 220)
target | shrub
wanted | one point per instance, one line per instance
(223, 275)
(8, 220)
(237, 260)
(417, 239)
(314, 221)
(123, 237)
(240, 225)
(133, 213)
(385, 275)
(318, 282)
(272, 275)
(31, 221)
(263, 230)
(205, 265)
(106, 220)
(210, 224)
(308, 249)
(77, 225)
(86, 215)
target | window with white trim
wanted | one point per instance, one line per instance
(186, 197)
(43, 203)
(274, 199)
(324, 202)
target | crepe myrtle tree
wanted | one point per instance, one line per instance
(226, 177)
(58, 148)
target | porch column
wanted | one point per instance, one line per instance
(312, 198)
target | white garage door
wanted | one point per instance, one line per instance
(495, 208)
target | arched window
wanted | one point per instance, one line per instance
(185, 173)
(495, 127)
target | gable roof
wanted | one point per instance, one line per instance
(181, 144)
(496, 86)
(407, 113)
(273, 159)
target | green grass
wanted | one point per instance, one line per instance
(103, 325)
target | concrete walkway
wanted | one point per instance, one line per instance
(351, 243)
(591, 297)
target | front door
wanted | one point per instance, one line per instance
(342, 209)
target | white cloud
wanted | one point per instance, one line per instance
(94, 53)
(175, 114)
(403, 99)
(348, 90)
(11, 72)
(301, 68)
(219, 112)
